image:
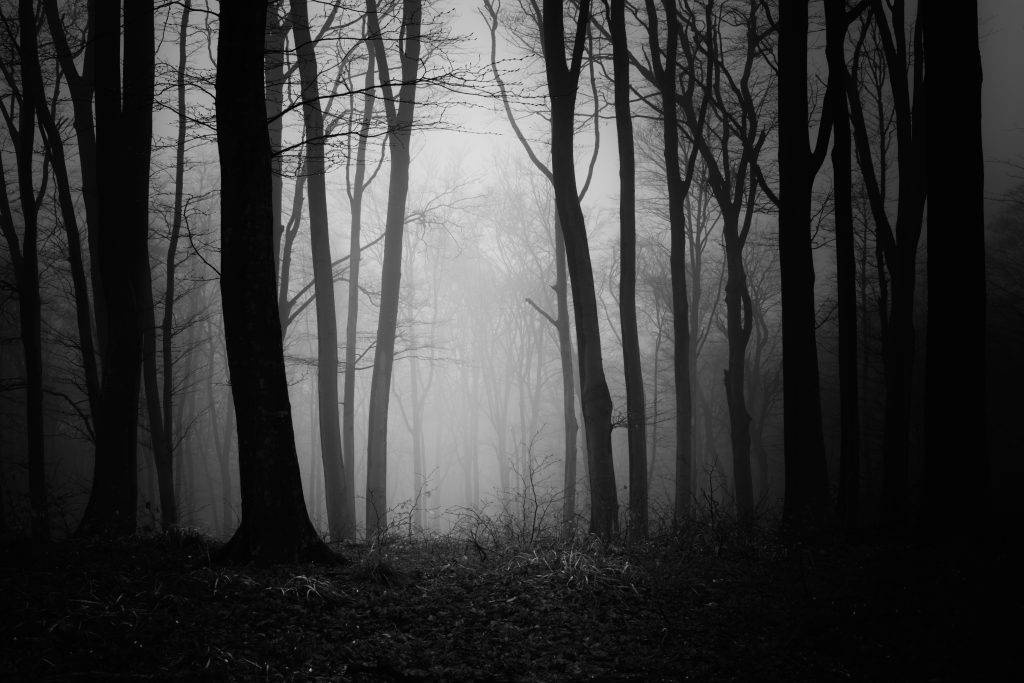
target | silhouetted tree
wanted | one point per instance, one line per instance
(806, 502)
(563, 85)
(275, 526)
(124, 127)
(399, 105)
(956, 464)
(635, 409)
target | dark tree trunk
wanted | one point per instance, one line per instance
(82, 89)
(678, 186)
(570, 426)
(124, 127)
(83, 313)
(739, 324)
(806, 502)
(848, 506)
(25, 259)
(275, 526)
(400, 107)
(357, 191)
(956, 465)
(335, 484)
(160, 397)
(563, 83)
(636, 420)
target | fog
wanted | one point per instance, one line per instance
(475, 424)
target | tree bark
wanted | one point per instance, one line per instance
(357, 191)
(636, 419)
(335, 484)
(123, 141)
(275, 526)
(400, 107)
(806, 502)
(848, 505)
(563, 83)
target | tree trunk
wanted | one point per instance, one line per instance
(806, 502)
(123, 141)
(357, 191)
(848, 506)
(25, 259)
(636, 419)
(400, 120)
(275, 526)
(82, 89)
(570, 426)
(335, 484)
(563, 82)
(956, 466)
(677, 189)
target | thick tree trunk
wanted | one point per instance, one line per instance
(636, 419)
(275, 526)
(400, 120)
(123, 140)
(806, 502)
(563, 82)
(956, 466)
(335, 484)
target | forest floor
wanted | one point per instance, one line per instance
(441, 609)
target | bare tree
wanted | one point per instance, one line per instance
(563, 85)
(275, 526)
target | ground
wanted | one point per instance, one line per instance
(443, 609)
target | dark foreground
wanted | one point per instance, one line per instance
(442, 610)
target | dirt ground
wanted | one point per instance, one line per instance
(155, 608)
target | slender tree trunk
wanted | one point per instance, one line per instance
(400, 111)
(636, 419)
(563, 83)
(677, 187)
(123, 140)
(806, 502)
(82, 89)
(335, 484)
(738, 329)
(273, 64)
(357, 191)
(69, 217)
(26, 263)
(956, 466)
(570, 426)
(848, 507)
(275, 526)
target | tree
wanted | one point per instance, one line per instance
(399, 107)
(635, 409)
(563, 85)
(160, 396)
(336, 486)
(956, 430)
(806, 503)
(898, 240)
(124, 126)
(25, 255)
(848, 504)
(275, 526)
(356, 188)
